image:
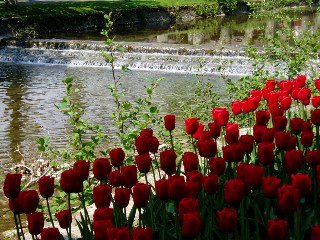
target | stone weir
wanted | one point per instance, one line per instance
(136, 56)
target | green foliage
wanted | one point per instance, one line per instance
(211, 9)
(203, 100)
(228, 6)
(130, 117)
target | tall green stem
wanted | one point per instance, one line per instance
(22, 233)
(297, 224)
(69, 207)
(16, 220)
(49, 211)
(177, 222)
(317, 138)
(171, 140)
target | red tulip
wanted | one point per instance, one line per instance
(122, 233)
(227, 220)
(140, 194)
(187, 205)
(115, 178)
(317, 83)
(217, 165)
(282, 140)
(232, 133)
(286, 85)
(191, 225)
(315, 117)
(268, 135)
(35, 223)
(236, 107)
(315, 101)
(176, 187)
(146, 132)
(266, 153)
(315, 232)
(304, 94)
(154, 144)
(232, 153)
(258, 132)
(211, 183)
(101, 168)
(307, 138)
(162, 188)
(143, 144)
(271, 84)
(266, 93)
(288, 199)
(191, 125)
(11, 185)
(69, 182)
(270, 186)
(302, 182)
(220, 115)
(29, 200)
(277, 229)
(102, 195)
(207, 148)
(140, 233)
(170, 122)
(122, 197)
(117, 156)
(81, 168)
(296, 125)
(293, 160)
(46, 186)
(285, 102)
(215, 129)
(313, 158)
(64, 218)
(194, 183)
(299, 81)
(143, 162)
(199, 132)
(168, 161)
(250, 175)
(103, 214)
(50, 233)
(190, 161)
(280, 123)
(129, 175)
(15, 205)
(100, 229)
(234, 191)
(246, 142)
(307, 126)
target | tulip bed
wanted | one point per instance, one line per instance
(263, 184)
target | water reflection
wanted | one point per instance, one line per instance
(218, 31)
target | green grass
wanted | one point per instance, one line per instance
(90, 7)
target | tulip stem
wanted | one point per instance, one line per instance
(140, 217)
(22, 233)
(15, 220)
(49, 211)
(171, 140)
(69, 207)
(194, 145)
(297, 223)
(177, 222)
(155, 159)
(317, 138)
(153, 173)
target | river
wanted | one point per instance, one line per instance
(31, 78)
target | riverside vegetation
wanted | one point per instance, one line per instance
(240, 188)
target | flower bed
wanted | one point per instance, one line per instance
(263, 183)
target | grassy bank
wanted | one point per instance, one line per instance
(91, 7)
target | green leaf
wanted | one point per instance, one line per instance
(67, 80)
(153, 109)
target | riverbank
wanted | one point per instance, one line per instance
(29, 19)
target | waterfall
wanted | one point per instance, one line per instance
(143, 56)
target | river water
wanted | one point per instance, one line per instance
(31, 78)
